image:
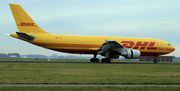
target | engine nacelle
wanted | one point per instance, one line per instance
(131, 54)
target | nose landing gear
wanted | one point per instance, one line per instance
(156, 59)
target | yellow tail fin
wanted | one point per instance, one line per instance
(24, 22)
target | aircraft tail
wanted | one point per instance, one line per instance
(24, 22)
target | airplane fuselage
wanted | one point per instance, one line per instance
(89, 44)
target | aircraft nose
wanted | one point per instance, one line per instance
(173, 49)
(170, 49)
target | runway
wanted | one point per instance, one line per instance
(170, 63)
(82, 85)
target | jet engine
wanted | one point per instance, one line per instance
(131, 54)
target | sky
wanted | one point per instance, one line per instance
(158, 19)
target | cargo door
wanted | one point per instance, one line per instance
(161, 46)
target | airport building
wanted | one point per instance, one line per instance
(2, 55)
(14, 55)
(160, 58)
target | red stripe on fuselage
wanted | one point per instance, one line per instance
(169, 49)
(68, 45)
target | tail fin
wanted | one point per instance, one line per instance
(24, 22)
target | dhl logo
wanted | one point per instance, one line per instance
(139, 45)
(26, 24)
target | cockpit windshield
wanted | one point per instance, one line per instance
(169, 44)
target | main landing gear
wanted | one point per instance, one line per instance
(104, 60)
(94, 60)
(156, 59)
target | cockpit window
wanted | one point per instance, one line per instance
(169, 44)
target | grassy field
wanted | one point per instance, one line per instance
(92, 89)
(69, 73)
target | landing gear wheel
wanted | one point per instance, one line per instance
(94, 60)
(103, 60)
(106, 60)
(155, 61)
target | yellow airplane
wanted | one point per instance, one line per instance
(109, 47)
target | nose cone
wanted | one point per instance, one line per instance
(173, 49)
(170, 49)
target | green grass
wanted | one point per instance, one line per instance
(69, 73)
(91, 89)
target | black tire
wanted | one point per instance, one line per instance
(97, 60)
(92, 60)
(108, 60)
(155, 61)
(103, 60)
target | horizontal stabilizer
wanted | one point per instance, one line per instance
(25, 36)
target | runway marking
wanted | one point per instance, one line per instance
(82, 85)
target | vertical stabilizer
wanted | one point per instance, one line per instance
(24, 22)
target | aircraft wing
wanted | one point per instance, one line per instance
(109, 46)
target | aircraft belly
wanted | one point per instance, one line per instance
(76, 51)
